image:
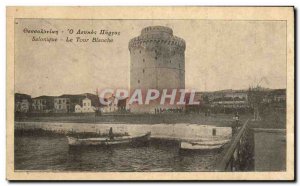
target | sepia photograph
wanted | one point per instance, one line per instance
(148, 95)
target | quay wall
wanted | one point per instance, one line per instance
(163, 131)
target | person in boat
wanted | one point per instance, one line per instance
(111, 134)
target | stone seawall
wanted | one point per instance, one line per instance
(162, 131)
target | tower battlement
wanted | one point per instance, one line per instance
(159, 35)
(157, 29)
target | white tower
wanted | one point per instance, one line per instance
(157, 62)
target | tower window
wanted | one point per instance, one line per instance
(138, 81)
(140, 51)
(170, 61)
(155, 57)
(143, 60)
(143, 71)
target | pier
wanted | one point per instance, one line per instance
(255, 149)
(239, 155)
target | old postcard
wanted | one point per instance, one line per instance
(150, 93)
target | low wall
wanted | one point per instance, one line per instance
(164, 131)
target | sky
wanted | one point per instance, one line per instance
(219, 55)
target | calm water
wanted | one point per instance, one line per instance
(53, 153)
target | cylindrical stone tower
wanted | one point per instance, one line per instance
(157, 62)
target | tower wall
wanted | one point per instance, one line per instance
(157, 61)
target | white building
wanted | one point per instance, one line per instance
(86, 106)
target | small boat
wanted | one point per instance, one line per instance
(125, 140)
(202, 145)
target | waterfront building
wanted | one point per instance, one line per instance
(279, 95)
(87, 106)
(241, 95)
(227, 95)
(62, 104)
(276, 98)
(22, 103)
(227, 101)
(43, 104)
(69, 102)
(232, 99)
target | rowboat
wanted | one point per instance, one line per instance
(202, 145)
(125, 140)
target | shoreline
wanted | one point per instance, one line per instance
(162, 130)
(129, 119)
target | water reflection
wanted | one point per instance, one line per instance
(53, 153)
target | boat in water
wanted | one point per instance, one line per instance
(202, 145)
(124, 140)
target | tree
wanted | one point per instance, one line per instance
(256, 97)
